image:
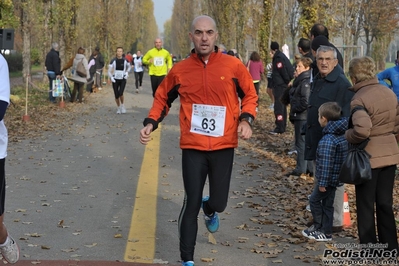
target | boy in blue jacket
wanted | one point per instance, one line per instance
(330, 154)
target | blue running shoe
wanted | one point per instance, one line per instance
(211, 222)
(188, 263)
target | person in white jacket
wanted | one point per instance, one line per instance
(138, 70)
(118, 72)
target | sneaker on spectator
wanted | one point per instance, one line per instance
(211, 222)
(137, 90)
(309, 230)
(319, 236)
(10, 251)
(308, 208)
(123, 110)
(188, 263)
(119, 110)
(292, 152)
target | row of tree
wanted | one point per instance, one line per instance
(106, 24)
(243, 24)
(252, 24)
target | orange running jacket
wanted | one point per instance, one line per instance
(221, 82)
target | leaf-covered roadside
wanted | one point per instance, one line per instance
(43, 115)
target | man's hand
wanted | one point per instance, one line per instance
(244, 130)
(322, 189)
(145, 134)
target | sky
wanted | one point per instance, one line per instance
(162, 12)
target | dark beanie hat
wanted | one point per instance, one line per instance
(274, 46)
(318, 41)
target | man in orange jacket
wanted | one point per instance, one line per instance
(212, 118)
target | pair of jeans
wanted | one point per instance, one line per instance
(51, 77)
(77, 89)
(97, 79)
(321, 205)
(301, 163)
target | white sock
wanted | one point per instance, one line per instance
(5, 243)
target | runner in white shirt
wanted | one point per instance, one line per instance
(138, 70)
(118, 72)
(9, 248)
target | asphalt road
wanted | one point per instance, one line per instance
(71, 194)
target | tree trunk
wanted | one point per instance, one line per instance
(46, 35)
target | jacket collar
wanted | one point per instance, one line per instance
(333, 75)
(302, 76)
(359, 85)
(214, 54)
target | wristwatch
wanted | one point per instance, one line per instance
(248, 119)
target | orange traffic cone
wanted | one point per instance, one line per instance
(347, 215)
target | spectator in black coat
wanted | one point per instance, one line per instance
(53, 67)
(299, 94)
(321, 30)
(282, 74)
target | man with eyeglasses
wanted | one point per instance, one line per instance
(329, 85)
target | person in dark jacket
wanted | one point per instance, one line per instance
(329, 85)
(331, 153)
(321, 30)
(53, 67)
(91, 84)
(282, 74)
(316, 43)
(299, 94)
(100, 63)
(304, 48)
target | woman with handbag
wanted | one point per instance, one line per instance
(378, 122)
(80, 74)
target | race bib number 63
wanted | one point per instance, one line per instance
(208, 120)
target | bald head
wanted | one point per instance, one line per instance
(158, 43)
(203, 17)
(204, 34)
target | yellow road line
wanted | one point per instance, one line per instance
(141, 240)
